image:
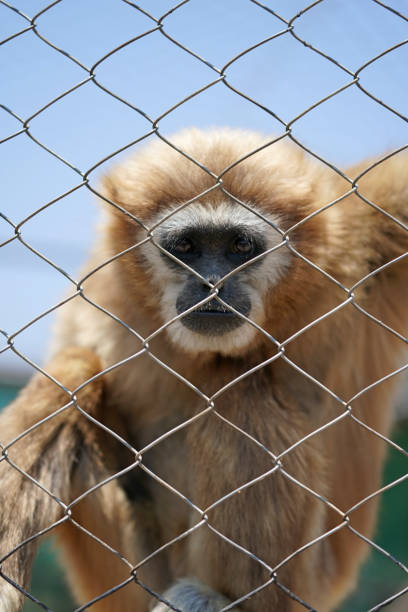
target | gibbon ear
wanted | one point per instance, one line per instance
(115, 203)
(108, 189)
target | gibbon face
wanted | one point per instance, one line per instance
(222, 247)
(203, 268)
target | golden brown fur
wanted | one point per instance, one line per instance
(277, 405)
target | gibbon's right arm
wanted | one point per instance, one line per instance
(50, 454)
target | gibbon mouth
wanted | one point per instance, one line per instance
(212, 322)
(215, 312)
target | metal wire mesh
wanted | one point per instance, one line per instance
(32, 26)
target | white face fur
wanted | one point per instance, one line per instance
(254, 279)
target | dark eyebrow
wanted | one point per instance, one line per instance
(209, 229)
(203, 235)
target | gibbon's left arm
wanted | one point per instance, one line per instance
(378, 239)
(373, 239)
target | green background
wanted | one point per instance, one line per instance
(380, 577)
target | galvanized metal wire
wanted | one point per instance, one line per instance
(32, 26)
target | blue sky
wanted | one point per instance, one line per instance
(153, 74)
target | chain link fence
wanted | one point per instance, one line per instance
(280, 26)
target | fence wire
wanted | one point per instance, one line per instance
(32, 26)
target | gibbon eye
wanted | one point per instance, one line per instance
(183, 246)
(243, 245)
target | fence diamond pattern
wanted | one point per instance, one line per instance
(32, 26)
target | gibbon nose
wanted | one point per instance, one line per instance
(213, 279)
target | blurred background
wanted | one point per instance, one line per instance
(152, 74)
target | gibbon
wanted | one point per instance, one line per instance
(240, 323)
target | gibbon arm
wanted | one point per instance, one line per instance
(49, 454)
(381, 238)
